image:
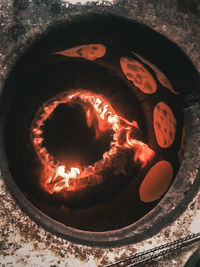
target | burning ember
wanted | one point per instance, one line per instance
(102, 117)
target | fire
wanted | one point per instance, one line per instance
(99, 114)
(60, 172)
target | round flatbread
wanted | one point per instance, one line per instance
(164, 125)
(139, 75)
(156, 182)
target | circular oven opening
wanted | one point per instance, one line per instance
(95, 131)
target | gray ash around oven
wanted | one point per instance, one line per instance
(92, 98)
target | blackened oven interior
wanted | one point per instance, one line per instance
(42, 73)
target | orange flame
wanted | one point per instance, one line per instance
(55, 177)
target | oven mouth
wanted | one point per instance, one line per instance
(149, 92)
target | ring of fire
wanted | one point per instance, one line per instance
(55, 178)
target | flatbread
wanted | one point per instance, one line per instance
(159, 74)
(156, 182)
(139, 75)
(164, 125)
(89, 52)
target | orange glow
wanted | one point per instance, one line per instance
(156, 181)
(164, 124)
(139, 75)
(159, 74)
(101, 116)
(89, 52)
